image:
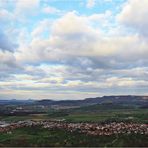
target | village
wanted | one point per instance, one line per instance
(95, 129)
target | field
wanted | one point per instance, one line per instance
(101, 113)
(38, 136)
(127, 115)
(25, 117)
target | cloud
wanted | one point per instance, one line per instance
(90, 3)
(51, 10)
(134, 15)
(6, 43)
(5, 15)
(8, 64)
(25, 10)
(73, 55)
(62, 79)
(79, 33)
(81, 39)
(101, 17)
(42, 27)
(26, 5)
(108, 0)
(124, 82)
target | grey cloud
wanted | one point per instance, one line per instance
(8, 65)
(5, 43)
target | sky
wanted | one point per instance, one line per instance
(73, 49)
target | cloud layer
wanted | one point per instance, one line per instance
(56, 53)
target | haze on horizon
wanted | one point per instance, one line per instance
(73, 49)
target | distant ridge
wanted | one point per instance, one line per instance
(121, 99)
(15, 101)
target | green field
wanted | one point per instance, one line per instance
(38, 136)
(100, 115)
(87, 115)
(26, 117)
(134, 116)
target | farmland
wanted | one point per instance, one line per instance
(38, 136)
(60, 124)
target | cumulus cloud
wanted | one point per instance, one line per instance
(42, 27)
(75, 55)
(81, 39)
(102, 18)
(134, 14)
(79, 33)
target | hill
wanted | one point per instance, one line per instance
(124, 100)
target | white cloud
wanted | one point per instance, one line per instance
(42, 27)
(51, 10)
(101, 18)
(5, 15)
(90, 3)
(25, 8)
(79, 33)
(80, 39)
(134, 14)
(26, 4)
(108, 0)
(74, 53)
(124, 82)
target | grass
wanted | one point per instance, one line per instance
(26, 117)
(133, 115)
(37, 137)
(88, 115)
(86, 118)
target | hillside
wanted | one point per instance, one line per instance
(124, 100)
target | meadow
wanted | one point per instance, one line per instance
(86, 114)
(39, 137)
